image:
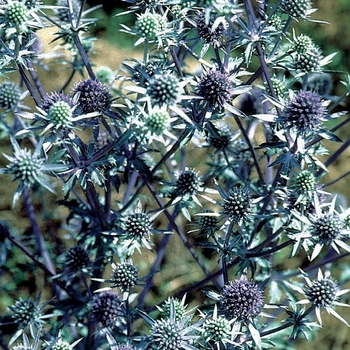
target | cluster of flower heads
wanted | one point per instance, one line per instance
(235, 319)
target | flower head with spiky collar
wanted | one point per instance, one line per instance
(29, 168)
(323, 293)
(323, 228)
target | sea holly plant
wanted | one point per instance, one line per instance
(182, 200)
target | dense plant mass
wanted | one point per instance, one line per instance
(177, 202)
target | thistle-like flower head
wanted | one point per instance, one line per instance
(164, 89)
(29, 168)
(25, 311)
(137, 225)
(207, 222)
(237, 204)
(323, 293)
(157, 122)
(217, 330)
(215, 87)
(297, 8)
(174, 305)
(106, 308)
(302, 44)
(305, 111)
(77, 259)
(60, 113)
(309, 61)
(16, 15)
(124, 275)
(241, 300)
(105, 75)
(93, 96)
(166, 334)
(54, 97)
(210, 28)
(187, 184)
(323, 228)
(327, 228)
(305, 182)
(150, 25)
(10, 95)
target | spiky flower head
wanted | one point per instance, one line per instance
(305, 111)
(309, 61)
(61, 345)
(26, 167)
(93, 96)
(216, 329)
(241, 299)
(327, 228)
(278, 85)
(150, 25)
(106, 308)
(322, 293)
(297, 8)
(16, 16)
(137, 225)
(211, 31)
(124, 275)
(105, 75)
(166, 334)
(10, 95)
(76, 259)
(29, 168)
(158, 121)
(60, 113)
(302, 44)
(305, 182)
(207, 223)
(276, 21)
(164, 89)
(25, 312)
(179, 309)
(53, 97)
(187, 184)
(215, 87)
(237, 204)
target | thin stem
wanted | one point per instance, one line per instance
(38, 236)
(154, 269)
(252, 151)
(226, 248)
(83, 55)
(29, 85)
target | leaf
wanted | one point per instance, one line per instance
(265, 117)
(255, 335)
